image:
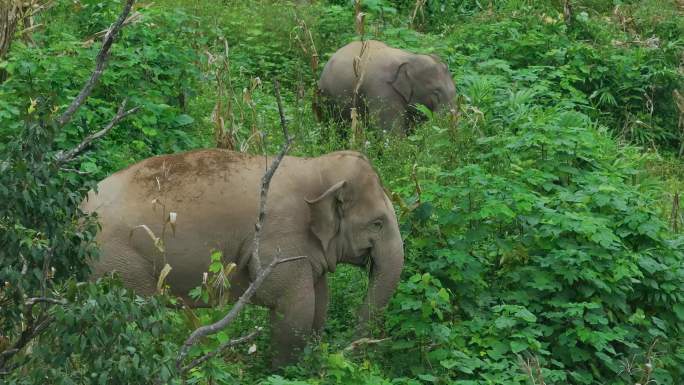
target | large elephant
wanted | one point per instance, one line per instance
(393, 81)
(331, 209)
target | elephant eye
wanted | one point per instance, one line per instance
(376, 225)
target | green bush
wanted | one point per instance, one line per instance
(104, 335)
(538, 241)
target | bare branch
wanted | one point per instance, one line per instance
(75, 171)
(221, 348)
(121, 114)
(363, 341)
(283, 122)
(32, 301)
(100, 64)
(266, 179)
(133, 18)
(33, 328)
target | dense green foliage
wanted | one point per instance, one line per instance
(106, 335)
(536, 227)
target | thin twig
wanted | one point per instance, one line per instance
(283, 122)
(32, 301)
(31, 331)
(121, 114)
(100, 64)
(363, 341)
(266, 179)
(221, 348)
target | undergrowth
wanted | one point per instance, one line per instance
(540, 229)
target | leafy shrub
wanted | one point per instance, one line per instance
(105, 334)
(542, 243)
(40, 222)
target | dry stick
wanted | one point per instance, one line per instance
(100, 64)
(266, 179)
(262, 274)
(283, 121)
(30, 331)
(32, 301)
(221, 348)
(418, 7)
(363, 341)
(63, 157)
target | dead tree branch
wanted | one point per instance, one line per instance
(100, 64)
(266, 179)
(363, 341)
(220, 349)
(34, 327)
(32, 301)
(262, 273)
(121, 114)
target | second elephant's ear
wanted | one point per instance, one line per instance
(326, 213)
(402, 82)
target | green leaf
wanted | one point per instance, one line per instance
(526, 315)
(215, 267)
(497, 350)
(442, 293)
(450, 363)
(504, 322)
(679, 310)
(183, 120)
(518, 346)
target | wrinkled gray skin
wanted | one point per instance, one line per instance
(331, 209)
(394, 80)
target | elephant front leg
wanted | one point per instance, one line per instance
(389, 113)
(292, 322)
(322, 299)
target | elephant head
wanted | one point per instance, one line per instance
(425, 79)
(356, 224)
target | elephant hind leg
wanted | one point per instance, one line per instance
(136, 271)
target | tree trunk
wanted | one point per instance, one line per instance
(10, 13)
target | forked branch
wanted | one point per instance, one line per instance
(266, 179)
(121, 114)
(100, 64)
(34, 327)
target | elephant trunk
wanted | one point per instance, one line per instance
(387, 262)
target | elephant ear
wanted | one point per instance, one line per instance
(402, 82)
(326, 213)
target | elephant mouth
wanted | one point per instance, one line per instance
(362, 260)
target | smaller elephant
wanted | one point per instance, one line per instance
(392, 82)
